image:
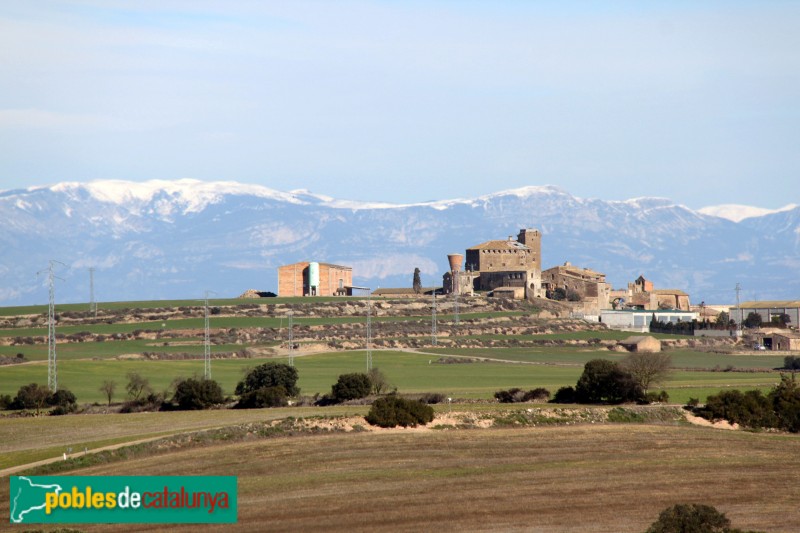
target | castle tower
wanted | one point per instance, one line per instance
(532, 238)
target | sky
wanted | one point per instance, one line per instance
(409, 101)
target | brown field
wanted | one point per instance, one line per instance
(612, 478)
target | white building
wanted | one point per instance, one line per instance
(639, 320)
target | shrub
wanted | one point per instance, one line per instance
(264, 397)
(31, 396)
(785, 401)
(392, 411)
(432, 398)
(5, 401)
(64, 402)
(196, 394)
(693, 402)
(564, 395)
(750, 409)
(516, 395)
(351, 387)
(690, 518)
(539, 394)
(270, 375)
(791, 362)
(605, 381)
(657, 397)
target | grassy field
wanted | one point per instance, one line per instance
(409, 372)
(609, 478)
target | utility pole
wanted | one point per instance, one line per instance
(52, 377)
(291, 338)
(369, 331)
(738, 309)
(92, 303)
(433, 319)
(207, 342)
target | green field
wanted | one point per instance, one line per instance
(409, 372)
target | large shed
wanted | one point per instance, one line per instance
(314, 279)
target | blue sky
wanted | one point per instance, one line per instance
(408, 101)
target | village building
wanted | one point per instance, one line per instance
(314, 279)
(641, 343)
(641, 294)
(579, 284)
(767, 310)
(784, 341)
(639, 319)
(511, 267)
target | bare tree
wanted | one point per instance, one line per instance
(648, 368)
(378, 381)
(108, 388)
(137, 385)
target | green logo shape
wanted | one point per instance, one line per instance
(123, 499)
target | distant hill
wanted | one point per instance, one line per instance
(176, 239)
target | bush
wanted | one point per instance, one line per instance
(750, 409)
(270, 375)
(605, 381)
(392, 411)
(692, 518)
(351, 387)
(564, 395)
(657, 397)
(516, 395)
(264, 397)
(64, 402)
(791, 362)
(785, 401)
(31, 396)
(6, 401)
(195, 394)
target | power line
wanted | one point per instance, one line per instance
(52, 371)
(92, 303)
(433, 319)
(291, 338)
(207, 341)
(369, 331)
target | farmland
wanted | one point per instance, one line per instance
(532, 478)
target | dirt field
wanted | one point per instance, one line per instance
(606, 478)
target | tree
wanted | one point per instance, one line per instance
(351, 387)
(263, 397)
(417, 282)
(781, 320)
(559, 294)
(392, 411)
(108, 387)
(196, 394)
(31, 396)
(753, 320)
(574, 296)
(138, 386)
(785, 399)
(690, 518)
(723, 320)
(269, 375)
(378, 381)
(605, 381)
(647, 368)
(64, 402)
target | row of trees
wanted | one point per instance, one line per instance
(779, 409)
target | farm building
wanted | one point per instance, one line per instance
(508, 264)
(314, 279)
(641, 343)
(768, 310)
(785, 341)
(642, 294)
(639, 320)
(591, 286)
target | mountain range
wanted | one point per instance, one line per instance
(178, 239)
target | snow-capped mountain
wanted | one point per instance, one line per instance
(177, 239)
